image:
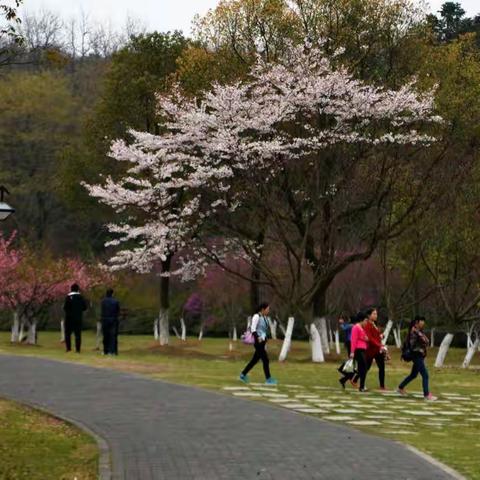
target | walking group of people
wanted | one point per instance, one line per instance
(364, 343)
(74, 307)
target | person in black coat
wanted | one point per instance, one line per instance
(74, 307)
(110, 323)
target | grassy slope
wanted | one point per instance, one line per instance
(210, 364)
(35, 446)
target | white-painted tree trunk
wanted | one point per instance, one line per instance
(337, 342)
(175, 331)
(21, 335)
(156, 333)
(469, 341)
(164, 333)
(287, 340)
(321, 324)
(442, 351)
(316, 345)
(398, 337)
(99, 336)
(471, 352)
(234, 334)
(273, 328)
(62, 331)
(32, 333)
(15, 328)
(249, 322)
(282, 328)
(200, 335)
(230, 346)
(331, 337)
(184, 330)
(432, 338)
(386, 332)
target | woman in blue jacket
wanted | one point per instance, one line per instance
(259, 329)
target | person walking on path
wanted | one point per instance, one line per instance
(109, 315)
(415, 349)
(74, 307)
(346, 325)
(359, 354)
(359, 348)
(375, 349)
(259, 329)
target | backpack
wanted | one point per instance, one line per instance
(406, 354)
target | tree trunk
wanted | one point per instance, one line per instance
(21, 335)
(200, 335)
(156, 334)
(163, 316)
(398, 336)
(316, 345)
(249, 322)
(387, 331)
(337, 342)
(184, 330)
(98, 337)
(471, 352)
(234, 334)
(432, 338)
(287, 341)
(319, 308)
(273, 328)
(15, 328)
(282, 328)
(62, 331)
(175, 331)
(442, 352)
(32, 333)
(163, 334)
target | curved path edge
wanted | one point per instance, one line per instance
(104, 457)
(154, 430)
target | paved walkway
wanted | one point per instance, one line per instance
(156, 430)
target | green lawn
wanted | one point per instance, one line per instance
(36, 446)
(448, 430)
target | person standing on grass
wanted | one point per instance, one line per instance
(74, 307)
(416, 345)
(359, 349)
(346, 325)
(375, 349)
(259, 329)
(110, 314)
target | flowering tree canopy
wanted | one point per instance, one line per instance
(297, 139)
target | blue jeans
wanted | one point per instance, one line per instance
(418, 368)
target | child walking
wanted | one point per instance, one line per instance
(259, 329)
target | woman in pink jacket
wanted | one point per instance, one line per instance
(359, 348)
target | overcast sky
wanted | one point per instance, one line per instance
(159, 15)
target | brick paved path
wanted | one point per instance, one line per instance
(157, 431)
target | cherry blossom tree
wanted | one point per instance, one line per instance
(30, 283)
(300, 152)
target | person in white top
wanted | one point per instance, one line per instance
(259, 329)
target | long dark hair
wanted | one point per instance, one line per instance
(261, 307)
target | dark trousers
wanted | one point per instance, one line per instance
(418, 367)
(380, 361)
(109, 330)
(74, 327)
(260, 354)
(361, 359)
(348, 345)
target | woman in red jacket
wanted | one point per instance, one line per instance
(375, 350)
